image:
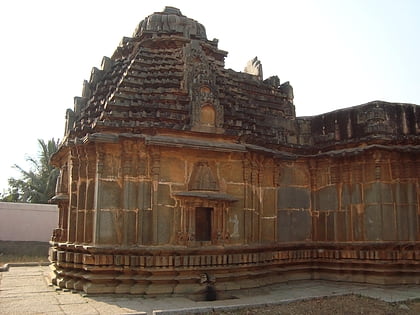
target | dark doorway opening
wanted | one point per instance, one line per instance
(203, 224)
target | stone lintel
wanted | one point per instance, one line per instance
(207, 195)
(101, 137)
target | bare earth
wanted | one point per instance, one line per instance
(348, 304)
(35, 296)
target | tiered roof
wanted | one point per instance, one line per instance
(159, 78)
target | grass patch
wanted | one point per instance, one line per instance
(7, 259)
(20, 252)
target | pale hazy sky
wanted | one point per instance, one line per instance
(336, 54)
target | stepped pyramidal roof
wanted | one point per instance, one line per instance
(169, 77)
(166, 74)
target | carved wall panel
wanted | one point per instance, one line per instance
(203, 178)
(206, 110)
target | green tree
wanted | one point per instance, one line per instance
(38, 184)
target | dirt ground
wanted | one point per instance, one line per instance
(348, 304)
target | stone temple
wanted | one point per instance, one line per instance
(177, 173)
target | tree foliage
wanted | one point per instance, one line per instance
(38, 184)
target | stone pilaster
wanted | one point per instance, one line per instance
(90, 192)
(100, 164)
(81, 194)
(154, 154)
(74, 179)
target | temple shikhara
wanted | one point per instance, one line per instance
(176, 172)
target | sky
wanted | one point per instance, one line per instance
(335, 54)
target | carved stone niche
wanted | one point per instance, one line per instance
(375, 121)
(202, 178)
(207, 114)
(204, 209)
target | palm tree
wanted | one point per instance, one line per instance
(38, 184)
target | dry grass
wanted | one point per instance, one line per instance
(21, 252)
(6, 259)
(339, 305)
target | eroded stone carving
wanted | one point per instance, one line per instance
(254, 67)
(201, 83)
(202, 178)
(171, 20)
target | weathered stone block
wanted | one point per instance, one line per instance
(294, 175)
(107, 227)
(130, 195)
(331, 228)
(389, 227)
(405, 193)
(232, 171)
(130, 227)
(172, 169)
(164, 195)
(268, 229)
(255, 226)
(248, 215)
(268, 175)
(81, 196)
(326, 199)
(111, 195)
(378, 193)
(340, 226)
(248, 197)
(302, 225)
(351, 194)
(144, 195)
(235, 190)
(357, 216)
(407, 224)
(112, 164)
(90, 197)
(269, 202)
(89, 226)
(80, 226)
(72, 226)
(165, 219)
(293, 198)
(146, 220)
(294, 225)
(373, 222)
(320, 226)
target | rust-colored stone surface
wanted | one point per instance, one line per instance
(175, 169)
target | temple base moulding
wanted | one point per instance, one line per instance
(181, 270)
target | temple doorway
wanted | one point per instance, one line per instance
(203, 218)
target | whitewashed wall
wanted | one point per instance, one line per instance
(27, 221)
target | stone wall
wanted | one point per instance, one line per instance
(370, 197)
(271, 217)
(294, 214)
(368, 122)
